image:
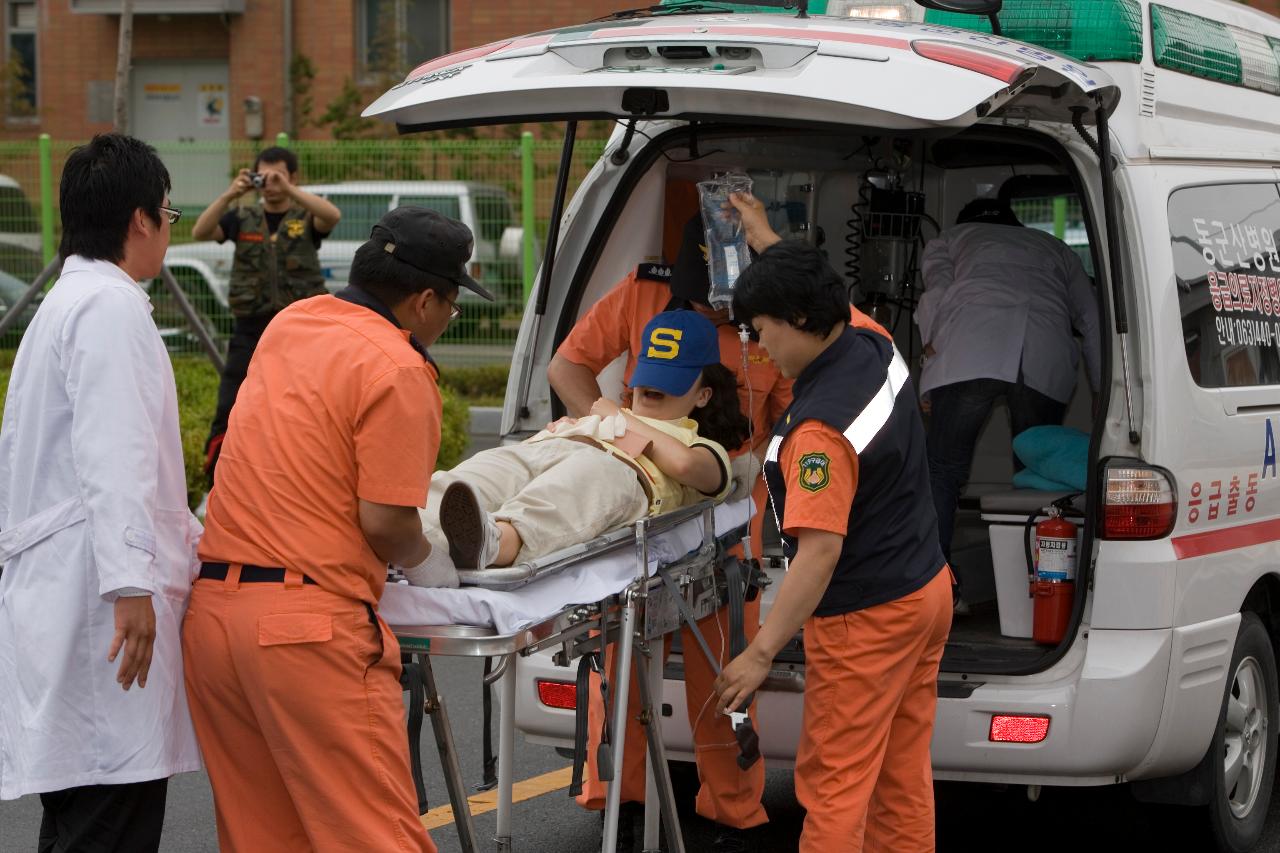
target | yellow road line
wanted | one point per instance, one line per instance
(488, 800)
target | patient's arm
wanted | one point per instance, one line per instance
(696, 467)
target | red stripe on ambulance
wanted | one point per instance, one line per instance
(1226, 539)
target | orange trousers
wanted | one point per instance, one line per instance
(727, 794)
(862, 767)
(295, 695)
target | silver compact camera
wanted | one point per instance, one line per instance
(258, 179)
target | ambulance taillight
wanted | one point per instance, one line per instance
(1018, 728)
(558, 694)
(1138, 501)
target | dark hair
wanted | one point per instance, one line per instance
(791, 281)
(993, 211)
(276, 154)
(103, 183)
(721, 419)
(392, 280)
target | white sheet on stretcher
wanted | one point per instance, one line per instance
(591, 580)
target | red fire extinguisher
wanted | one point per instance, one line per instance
(1054, 587)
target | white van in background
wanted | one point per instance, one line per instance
(1160, 120)
(204, 268)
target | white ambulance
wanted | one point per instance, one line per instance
(865, 130)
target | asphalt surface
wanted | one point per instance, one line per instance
(970, 818)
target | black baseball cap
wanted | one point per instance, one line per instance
(689, 277)
(429, 241)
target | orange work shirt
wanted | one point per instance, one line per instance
(824, 507)
(615, 325)
(337, 405)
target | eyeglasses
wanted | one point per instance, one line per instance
(173, 213)
(455, 311)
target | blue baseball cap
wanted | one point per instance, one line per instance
(675, 346)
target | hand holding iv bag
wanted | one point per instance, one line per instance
(727, 251)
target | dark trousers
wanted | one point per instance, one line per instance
(958, 414)
(245, 335)
(104, 818)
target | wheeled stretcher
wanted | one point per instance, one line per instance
(631, 587)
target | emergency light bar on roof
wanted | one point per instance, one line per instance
(1181, 41)
(1087, 30)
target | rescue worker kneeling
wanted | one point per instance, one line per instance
(579, 478)
(294, 680)
(867, 581)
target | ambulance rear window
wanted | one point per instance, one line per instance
(1227, 267)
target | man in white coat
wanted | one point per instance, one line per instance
(97, 544)
(1001, 306)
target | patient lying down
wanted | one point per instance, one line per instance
(579, 478)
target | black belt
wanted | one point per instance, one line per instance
(248, 573)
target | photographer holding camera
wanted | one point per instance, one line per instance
(276, 262)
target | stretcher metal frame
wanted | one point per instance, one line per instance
(624, 618)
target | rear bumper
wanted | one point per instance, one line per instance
(1123, 705)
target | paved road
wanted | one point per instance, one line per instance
(971, 818)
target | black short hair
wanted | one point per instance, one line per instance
(103, 183)
(276, 154)
(392, 280)
(721, 419)
(992, 211)
(791, 281)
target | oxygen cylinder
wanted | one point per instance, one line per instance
(1054, 588)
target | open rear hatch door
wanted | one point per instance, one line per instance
(748, 68)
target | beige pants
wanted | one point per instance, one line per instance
(556, 493)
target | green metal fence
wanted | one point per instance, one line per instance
(502, 188)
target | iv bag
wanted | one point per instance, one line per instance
(727, 251)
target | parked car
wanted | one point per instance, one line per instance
(19, 225)
(1166, 676)
(204, 268)
(19, 267)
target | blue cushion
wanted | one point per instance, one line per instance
(1056, 453)
(1028, 479)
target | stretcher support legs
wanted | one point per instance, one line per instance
(657, 772)
(506, 753)
(434, 706)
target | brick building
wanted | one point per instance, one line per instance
(218, 69)
(197, 62)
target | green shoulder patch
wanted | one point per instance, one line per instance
(815, 472)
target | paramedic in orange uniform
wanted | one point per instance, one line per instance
(292, 676)
(728, 795)
(848, 476)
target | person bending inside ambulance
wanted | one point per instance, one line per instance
(581, 477)
(294, 680)
(614, 326)
(848, 476)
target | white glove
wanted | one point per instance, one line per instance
(744, 469)
(437, 570)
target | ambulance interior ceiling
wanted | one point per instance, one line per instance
(826, 188)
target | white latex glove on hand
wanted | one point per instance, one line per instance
(437, 570)
(744, 469)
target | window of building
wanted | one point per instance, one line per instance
(20, 58)
(1227, 268)
(394, 36)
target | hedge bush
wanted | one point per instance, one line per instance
(198, 397)
(480, 386)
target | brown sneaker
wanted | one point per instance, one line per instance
(473, 537)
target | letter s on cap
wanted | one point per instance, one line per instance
(664, 343)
